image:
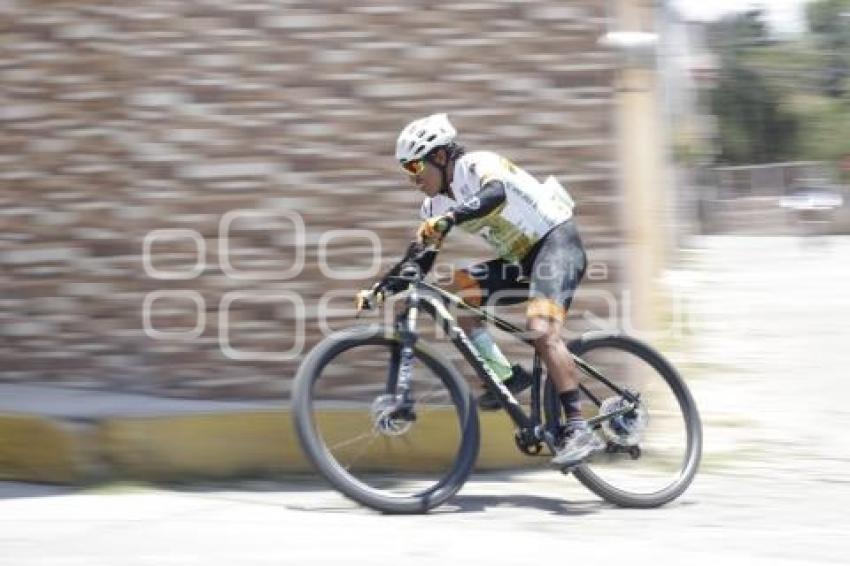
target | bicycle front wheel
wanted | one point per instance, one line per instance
(344, 417)
(653, 452)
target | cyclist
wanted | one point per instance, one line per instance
(530, 225)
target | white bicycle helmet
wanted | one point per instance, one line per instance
(419, 137)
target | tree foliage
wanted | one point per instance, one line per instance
(755, 126)
(829, 22)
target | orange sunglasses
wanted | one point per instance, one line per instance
(414, 167)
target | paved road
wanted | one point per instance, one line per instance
(767, 368)
(497, 519)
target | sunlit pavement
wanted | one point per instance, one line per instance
(766, 363)
(768, 356)
(502, 519)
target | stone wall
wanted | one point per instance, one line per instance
(172, 124)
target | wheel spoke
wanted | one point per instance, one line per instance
(664, 427)
(361, 451)
(395, 466)
(420, 401)
(372, 432)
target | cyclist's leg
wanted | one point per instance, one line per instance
(486, 283)
(479, 284)
(556, 272)
(557, 269)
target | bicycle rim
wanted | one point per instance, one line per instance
(648, 464)
(399, 466)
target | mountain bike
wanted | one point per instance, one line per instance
(391, 423)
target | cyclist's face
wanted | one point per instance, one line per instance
(429, 181)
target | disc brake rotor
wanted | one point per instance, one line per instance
(386, 417)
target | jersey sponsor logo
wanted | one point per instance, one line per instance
(529, 211)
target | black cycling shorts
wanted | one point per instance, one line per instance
(551, 271)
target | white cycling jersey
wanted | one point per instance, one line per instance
(530, 211)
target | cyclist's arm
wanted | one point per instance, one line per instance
(489, 198)
(389, 286)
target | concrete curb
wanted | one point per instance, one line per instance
(205, 446)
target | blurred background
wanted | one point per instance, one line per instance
(121, 121)
(170, 171)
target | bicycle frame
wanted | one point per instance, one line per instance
(433, 300)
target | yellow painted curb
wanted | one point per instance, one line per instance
(227, 445)
(213, 446)
(498, 450)
(38, 449)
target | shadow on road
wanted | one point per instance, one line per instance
(18, 490)
(553, 505)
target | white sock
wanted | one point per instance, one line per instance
(491, 353)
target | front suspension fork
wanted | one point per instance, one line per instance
(400, 380)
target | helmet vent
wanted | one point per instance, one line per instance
(423, 135)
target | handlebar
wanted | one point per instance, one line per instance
(407, 270)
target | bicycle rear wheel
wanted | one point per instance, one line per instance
(652, 452)
(343, 417)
